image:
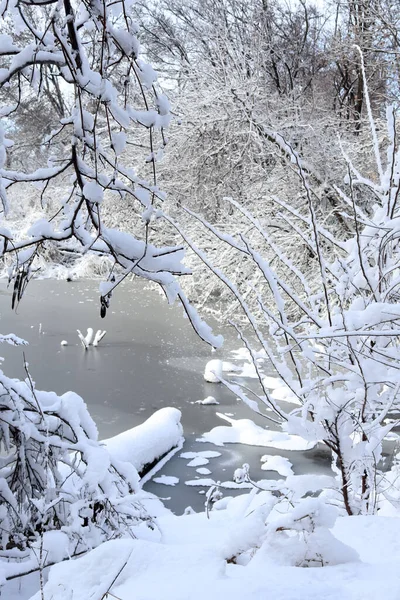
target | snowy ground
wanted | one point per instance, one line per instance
(189, 559)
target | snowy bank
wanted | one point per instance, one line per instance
(146, 444)
(193, 561)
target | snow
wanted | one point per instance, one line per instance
(200, 482)
(41, 228)
(119, 142)
(277, 463)
(280, 391)
(203, 471)
(93, 191)
(148, 76)
(166, 480)
(12, 339)
(203, 453)
(198, 462)
(7, 45)
(247, 370)
(87, 339)
(63, 343)
(245, 431)
(208, 400)
(98, 337)
(190, 560)
(213, 371)
(142, 445)
(55, 546)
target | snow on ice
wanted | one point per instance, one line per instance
(245, 431)
(166, 480)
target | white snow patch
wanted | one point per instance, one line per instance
(247, 370)
(204, 453)
(272, 383)
(277, 463)
(230, 367)
(200, 482)
(280, 391)
(198, 462)
(93, 191)
(166, 480)
(208, 400)
(245, 431)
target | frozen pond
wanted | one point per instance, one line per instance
(150, 358)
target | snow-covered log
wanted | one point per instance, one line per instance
(144, 445)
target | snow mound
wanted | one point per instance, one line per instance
(213, 371)
(208, 400)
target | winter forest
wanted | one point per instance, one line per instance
(213, 186)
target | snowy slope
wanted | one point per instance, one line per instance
(190, 563)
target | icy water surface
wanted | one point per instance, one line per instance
(150, 358)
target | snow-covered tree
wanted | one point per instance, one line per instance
(334, 342)
(241, 71)
(93, 51)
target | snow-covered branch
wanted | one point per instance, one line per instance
(111, 94)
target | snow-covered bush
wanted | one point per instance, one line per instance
(301, 536)
(55, 475)
(281, 523)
